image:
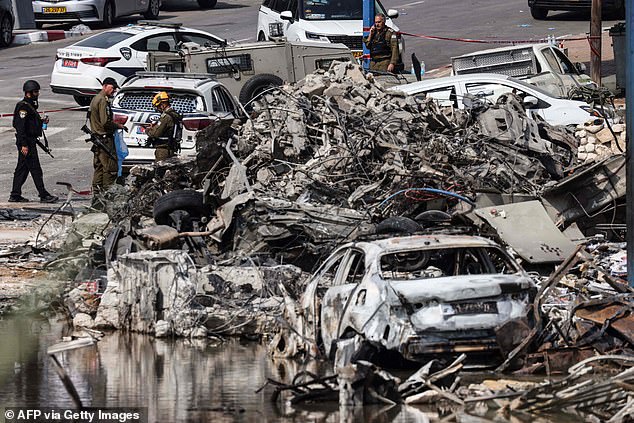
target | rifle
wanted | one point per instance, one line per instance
(44, 145)
(94, 138)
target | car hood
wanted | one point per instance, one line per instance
(456, 288)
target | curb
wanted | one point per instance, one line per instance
(42, 36)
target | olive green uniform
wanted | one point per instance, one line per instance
(161, 135)
(383, 48)
(101, 123)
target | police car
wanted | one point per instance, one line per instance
(199, 98)
(118, 53)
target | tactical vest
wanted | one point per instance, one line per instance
(381, 48)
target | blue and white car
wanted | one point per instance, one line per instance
(119, 54)
(200, 99)
(100, 12)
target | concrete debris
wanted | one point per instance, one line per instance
(599, 140)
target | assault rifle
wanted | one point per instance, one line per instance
(96, 140)
(44, 145)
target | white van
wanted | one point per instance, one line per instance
(330, 21)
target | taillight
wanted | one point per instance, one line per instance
(196, 124)
(99, 61)
(120, 118)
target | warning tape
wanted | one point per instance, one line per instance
(495, 41)
(50, 111)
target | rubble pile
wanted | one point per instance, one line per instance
(599, 140)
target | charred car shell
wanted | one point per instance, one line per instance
(420, 296)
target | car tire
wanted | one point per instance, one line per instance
(187, 200)
(539, 13)
(256, 85)
(152, 11)
(39, 25)
(6, 31)
(82, 100)
(207, 4)
(108, 14)
(398, 225)
(261, 36)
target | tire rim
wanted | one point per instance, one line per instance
(5, 31)
(154, 7)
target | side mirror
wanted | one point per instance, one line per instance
(286, 15)
(581, 67)
(392, 13)
(530, 101)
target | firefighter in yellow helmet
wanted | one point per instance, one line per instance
(164, 134)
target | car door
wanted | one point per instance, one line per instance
(491, 92)
(444, 96)
(339, 300)
(269, 18)
(125, 7)
(159, 42)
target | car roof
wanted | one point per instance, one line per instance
(426, 242)
(167, 83)
(416, 87)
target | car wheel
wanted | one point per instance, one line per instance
(39, 25)
(261, 36)
(6, 31)
(257, 85)
(207, 4)
(398, 225)
(108, 14)
(187, 200)
(82, 100)
(539, 13)
(152, 10)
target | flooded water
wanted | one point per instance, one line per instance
(178, 381)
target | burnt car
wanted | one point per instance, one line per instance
(420, 296)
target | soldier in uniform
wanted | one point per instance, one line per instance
(383, 46)
(161, 134)
(28, 126)
(101, 123)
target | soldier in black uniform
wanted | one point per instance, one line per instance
(28, 126)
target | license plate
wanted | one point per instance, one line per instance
(357, 54)
(475, 308)
(140, 129)
(69, 63)
(54, 9)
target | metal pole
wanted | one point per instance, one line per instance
(368, 21)
(595, 43)
(629, 116)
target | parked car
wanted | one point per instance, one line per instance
(200, 99)
(420, 296)
(101, 12)
(450, 91)
(7, 21)
(329, 21)
(540, 8)
(543, 65)
(118, 53)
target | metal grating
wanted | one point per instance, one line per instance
(228, 64)
(353, 43)
(511, 62)
(142, 102)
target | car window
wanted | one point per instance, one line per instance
(426, 264)
(203, 40)
(551, 59)
(492, 91)
(326, 275)
(163, 42)
(142, 101)
(355, 268)
(220, 103)
(445, 96)
(104, 40)
(319, 10)
(565, 62)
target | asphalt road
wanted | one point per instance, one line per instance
(236, 20)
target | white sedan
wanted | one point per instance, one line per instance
(450, 91)
(117, 53)
(102, 12)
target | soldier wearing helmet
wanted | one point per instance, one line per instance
(101, 123)
(162, 134)
(28, 127)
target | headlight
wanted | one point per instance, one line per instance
(317, 37)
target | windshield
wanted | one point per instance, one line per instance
(425, 264)
(104, 40)
(322, 10)
(532, 87)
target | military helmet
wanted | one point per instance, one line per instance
(160, 98)
(30, 85)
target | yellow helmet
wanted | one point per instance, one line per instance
(159, 98)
